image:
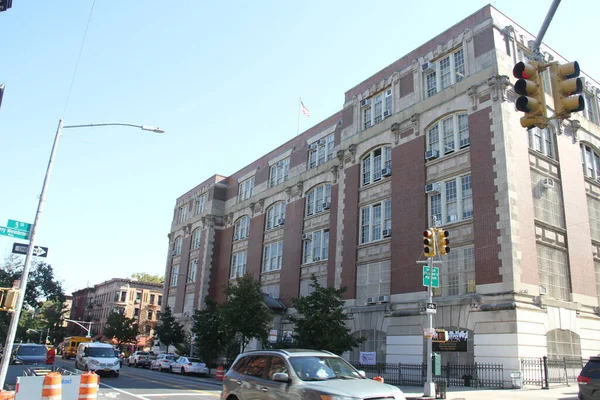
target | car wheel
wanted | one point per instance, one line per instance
(171, 369)
(135, 364)
(116, 374)
(182, 371)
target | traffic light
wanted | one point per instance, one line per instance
(565, 84)
(429, 243)
(8, 299)
(443, 242)
(440, 335)
(532, 99)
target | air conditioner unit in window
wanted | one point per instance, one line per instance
(432, 188)
(307, 236)
(326, 205)
(431, 155)
(428, 67)
(365, 102)
(371, 300)
(383, 299)
(385, 172)
(387, 233)
(543, 291)
(386, 114)
(281, 221)
(547, 183)
(315, 259)
(313, 146)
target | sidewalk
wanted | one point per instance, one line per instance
(528, 393)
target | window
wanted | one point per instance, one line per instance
(373, 280)
(318, 199)
(547, 201)
(562, 343)
(591, 111)
(316, 247)
(320, 151)
(593, 205)
(182, 214)
(152, 297)
(124, 296)
(174, 275)
(192, 271)
(279, 172)
(200, 203)
(272, 257)
(238, 264)
(377, 108)
(136, 312)
(454, 201)
(276, 215)
(159, 302)
(241, 228)
(448, 71)
(138, 297)
(374, 163)
(306, 288)
(147, 329)
(597, 267)
(454, 134)
(457, 273)
(177, 245)
(271, 290)
(554, 271)
(245, 189)
(196, 238)
(116, 297)
(541, 141)
(374, 219)
(590, 162)
(149, 316)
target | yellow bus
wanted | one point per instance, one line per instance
(71, 343)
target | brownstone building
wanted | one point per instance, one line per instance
(432, 138)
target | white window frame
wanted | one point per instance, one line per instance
(453, 203)
(272, 256)
(591, 107)
(177, 245)
(201, 203)
(451, 133)
(174, 275)
(317, 245)
(275, 213)
(449, 70)
(542, 141)
(380, 107)
(374, 219)
(322, 151)
(182, 214)
(196, 238)
(245, 189)
(272, 290)
(373, 163)
(238, 264)
(192, 271)
(241, 228)
(279, 172)
(590, 161)
(317, 197)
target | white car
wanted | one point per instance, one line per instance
(189, 365)
(97, 357)
(163, 362)
(135, 357)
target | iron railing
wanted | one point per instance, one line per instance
(544, 371)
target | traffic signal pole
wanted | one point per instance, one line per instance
(545, 25)
(429, 389)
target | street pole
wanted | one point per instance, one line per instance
(429, 389)
(545, 25)
(14, 322)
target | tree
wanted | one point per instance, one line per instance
(144, 277)
(208, 328)
(52, 314)
(319, 323)
(168, 330)
(245, 314)
(121, 328)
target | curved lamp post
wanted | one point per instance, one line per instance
(12, 329)
(80, 323)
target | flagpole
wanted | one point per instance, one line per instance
(298, 127)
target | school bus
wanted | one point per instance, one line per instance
(71, 343)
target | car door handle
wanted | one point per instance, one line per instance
(264, 389)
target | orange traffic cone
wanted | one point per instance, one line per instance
(52, 388)
(378, 379)
(88, 388)
(220, 373)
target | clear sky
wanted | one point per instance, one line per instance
(222, 78)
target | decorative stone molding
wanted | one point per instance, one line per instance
(259, 206)
(252, 208)
(570, 126)
(211, 220)
(170, 237)
(229, 218)
(204, 221)
(472, 93)
(187, 229)
(352, 150)
(415, 121)
(499, 84)
(300, 187)
(468, 34)
(334, 171)
(396, 131)
(340, 157)
(288, 192)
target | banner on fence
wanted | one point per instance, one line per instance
(457, 341)
(368, 358)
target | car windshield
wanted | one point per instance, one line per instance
(31, 351)
(142, 353)
(195, 360)
(316, 368)
(101, 352)
(170, 358)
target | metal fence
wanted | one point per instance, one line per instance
(476, 375)
(544, 371)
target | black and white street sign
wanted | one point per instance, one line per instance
(431, 308)
(38, 251)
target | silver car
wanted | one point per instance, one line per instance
(300, 374)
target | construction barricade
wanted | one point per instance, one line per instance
(56, 384)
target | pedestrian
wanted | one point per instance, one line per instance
(50, 356)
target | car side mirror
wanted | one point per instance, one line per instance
(362, 373)
(281, 377)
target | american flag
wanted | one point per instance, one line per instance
(304, 110)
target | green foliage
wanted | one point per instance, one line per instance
(144, 277)
(245, 314)
(169, 331)
(184, 347)
(121, 328)
(319, 323)
(53, 314)
(208, 328)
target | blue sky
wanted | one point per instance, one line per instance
(222, 78)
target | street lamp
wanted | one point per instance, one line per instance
(80, 323)
(40, 331)
(14, 322)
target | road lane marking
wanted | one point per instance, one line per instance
(167, 381)
(193, 393)
(124, 392)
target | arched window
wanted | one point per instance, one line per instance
(376, 164)
(376, 342)
(241, 228)
(276, 215)
(196, 238)
(563, 343)
(590, 161)
(177, 245)
(448, 134)
(318, 199)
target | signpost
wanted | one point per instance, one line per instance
(38, 251)
(435, 276)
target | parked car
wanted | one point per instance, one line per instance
(589, 380)
(28, 353)
(189, 365)
(294, 374)
(97, 357)
(145, 362)
(163, 362)
(134, 359)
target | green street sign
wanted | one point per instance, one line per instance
(21, 226)
(435, 275)
(16, 233)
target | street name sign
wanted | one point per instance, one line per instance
(16, 233)
(22, 226)
(38, 251)
(435, 276)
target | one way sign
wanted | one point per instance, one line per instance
(38, 251)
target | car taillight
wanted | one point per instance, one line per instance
(583, 379)
(190, 364)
